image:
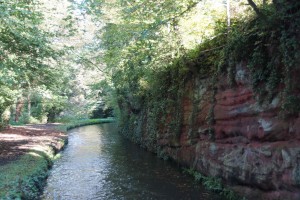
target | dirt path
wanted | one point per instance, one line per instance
(18, 140)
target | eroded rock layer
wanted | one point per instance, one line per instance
(226, 132)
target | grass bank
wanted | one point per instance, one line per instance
(84, 122)
(25, 176)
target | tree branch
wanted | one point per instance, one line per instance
(93, 64)
(254, 6)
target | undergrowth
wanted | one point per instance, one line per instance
(269, 44)
(213, 184)
(25, 177)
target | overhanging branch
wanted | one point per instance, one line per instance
(254, 6)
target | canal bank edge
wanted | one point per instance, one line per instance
(86, 122)
(35, 148)
(24, 177)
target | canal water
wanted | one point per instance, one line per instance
(100, 164)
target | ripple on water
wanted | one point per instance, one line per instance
(99, 164)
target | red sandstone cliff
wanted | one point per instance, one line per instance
(255, 150)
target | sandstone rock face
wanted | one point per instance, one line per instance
(254, 150)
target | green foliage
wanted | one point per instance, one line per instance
(6, 97)
(102, 111)
(213, 184)
(289, 48)
(24, 178)
(38, 60)
(84, 122)
(148, 63)
(28, 60)
(144, 38)
(268, 44)
(162, 154)
(26, 119)
(24, 45)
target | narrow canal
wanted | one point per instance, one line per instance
(99, 164)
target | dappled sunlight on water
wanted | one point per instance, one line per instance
(99, 164)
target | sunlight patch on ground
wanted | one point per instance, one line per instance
(12, 137)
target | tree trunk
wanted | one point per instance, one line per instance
(228, 15)
(28, 105)
(19, 107)
(254, 6)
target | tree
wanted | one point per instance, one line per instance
(141, 38)
(254, 6)
(28, 59)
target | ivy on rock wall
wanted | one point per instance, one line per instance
(150, 56)
(270, 45)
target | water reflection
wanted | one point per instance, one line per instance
(99, 164)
